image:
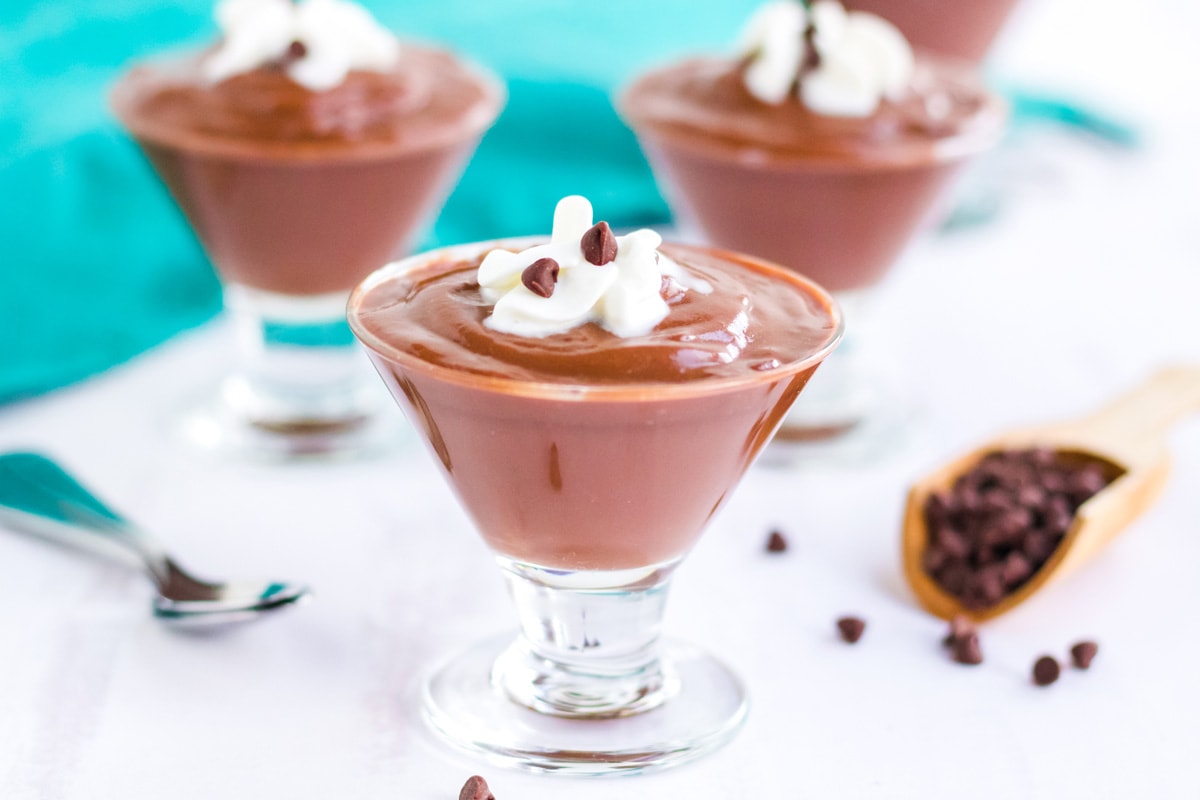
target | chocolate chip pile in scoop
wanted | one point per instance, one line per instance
(1003, 519)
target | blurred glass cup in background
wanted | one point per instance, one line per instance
(296, 194)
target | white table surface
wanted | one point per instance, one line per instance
(1087, 282)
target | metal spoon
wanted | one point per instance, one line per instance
(37, 496)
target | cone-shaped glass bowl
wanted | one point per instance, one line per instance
(589, 496)
(839, 214)
(960, 30)
(291, 226)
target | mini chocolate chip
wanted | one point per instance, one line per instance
(1014, 522)
(967, 650)
(954, 578)
(1089, 480)
(1042, 456)
(1031, 495)
(991, 585)
(934, 559)
(851, 628)
(1037, 546)
(969, 498)
(541, 276)
(599, 244)
(952, 543)
(476, 788)
(1058, 515)
(1016, 569)
(1083, 653)
(812, 57)
(960, 627)
(937, 508)
(296, 50)
(1054, 482)
(1045, 671)
(996, 500)
(776, 543)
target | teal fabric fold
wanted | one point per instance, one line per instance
(97, 265)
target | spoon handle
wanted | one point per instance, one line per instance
(37, 496)
(1136, 422)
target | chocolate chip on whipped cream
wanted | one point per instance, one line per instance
(843, 64)
(334, 38)
(599, 244)
(541, 276)
(614, 281)
(296, 50)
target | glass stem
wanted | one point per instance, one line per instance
(589, 643)
(297, 363)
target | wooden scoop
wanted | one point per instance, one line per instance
(1126, 437)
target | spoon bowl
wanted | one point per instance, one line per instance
(38, 496)
(1126, 438)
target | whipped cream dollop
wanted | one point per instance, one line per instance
(845, 63)
(585, 273)
(316, 42)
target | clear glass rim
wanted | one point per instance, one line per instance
(478, 121)
(987, 131)
(576, 391)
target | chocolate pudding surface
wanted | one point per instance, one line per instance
(429, 99)
(703, 104)
(583, 450)
(751, 323)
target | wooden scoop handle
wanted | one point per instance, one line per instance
(1134, 425)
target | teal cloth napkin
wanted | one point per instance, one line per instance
(97, 265)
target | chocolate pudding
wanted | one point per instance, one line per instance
(304, 192)
(962, 30)
(836, 198)
(583, 449)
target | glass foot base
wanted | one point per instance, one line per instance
(467, 709)
(882, 434)
(215, 427)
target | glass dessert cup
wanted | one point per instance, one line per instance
(842, 220)
(589, 496)
(291, 226)
(959, 30)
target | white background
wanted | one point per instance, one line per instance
(1088, 279)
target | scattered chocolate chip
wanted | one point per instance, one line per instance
(541, 277)
(476, 788)
(1000, 521)
(1045, 671)
(960, 627)
(967, 650)
(599, 244)
(851, 628)
(776, 543)
(1083, 653)
(296, 50)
